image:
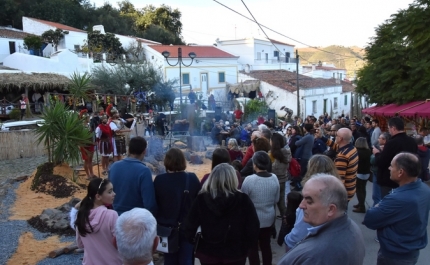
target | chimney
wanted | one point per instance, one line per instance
(100, 28)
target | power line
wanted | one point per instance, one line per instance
(261, 27)
(283, 34)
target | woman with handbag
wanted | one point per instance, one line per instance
(227, 217)
(174, 192)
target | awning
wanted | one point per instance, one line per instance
(378, 110)
(422, 110)
(397, 109)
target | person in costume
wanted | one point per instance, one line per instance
(87, 151)
(118, 128)
(104, 136)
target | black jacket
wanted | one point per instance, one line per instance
(229, 225)
(363, 160)
(397, 144)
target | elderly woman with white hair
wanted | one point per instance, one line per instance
(227, 217)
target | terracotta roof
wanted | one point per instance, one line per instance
(13, 33)
(280, 42)
(347, 86)
(287, 80)
(200, 51)
(326, 68)
(57, 25)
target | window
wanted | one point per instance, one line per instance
(334, 75)
(346, 100)
(314, 107)
(276, 54)
(221, 77)
(335, 103)
(340, 76)
(77, 47)
(185, 79)
(258, 55)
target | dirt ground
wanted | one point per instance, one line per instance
(29, 204)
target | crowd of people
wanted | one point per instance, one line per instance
(228, 216)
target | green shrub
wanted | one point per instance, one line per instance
(15, 114)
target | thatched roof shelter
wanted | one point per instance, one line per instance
(34, 81)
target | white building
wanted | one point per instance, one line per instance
(323, 70)
(260, 54)
(11, 41)
(209, 72)
(317, 95)
(74, 40)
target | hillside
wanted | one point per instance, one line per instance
(350, 58)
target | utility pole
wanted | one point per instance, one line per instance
(297, 83)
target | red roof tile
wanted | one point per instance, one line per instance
(200, 51)
(347, 86)
(287, 80)
(57, 25)
(13, 34)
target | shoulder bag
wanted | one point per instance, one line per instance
(169, 236)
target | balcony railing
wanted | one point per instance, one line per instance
(276, 61)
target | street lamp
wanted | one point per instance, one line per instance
(192, 55)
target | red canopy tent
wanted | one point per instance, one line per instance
(380, 110)
(371, 109)
(397, 109)
(422, 110)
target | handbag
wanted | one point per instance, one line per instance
(169, 236)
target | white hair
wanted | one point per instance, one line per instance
(135, 232)
(261, 127)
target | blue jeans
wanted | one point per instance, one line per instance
(184, 256)
(382, 260)
(376, 191)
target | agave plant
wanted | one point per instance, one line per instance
(62, 133)
(79, 86)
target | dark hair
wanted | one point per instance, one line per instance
(397, 123)
(237, 165)
(410, 163)
(308, 127)
(294, 198)
(261, 160)
(268, 124)
(175, 160)
(277, 144)
(96, 186)
(261, 144)
(220, 155)
(137, 145)
(375, 121)
(298, 130)
(266, 133)
(362, 130)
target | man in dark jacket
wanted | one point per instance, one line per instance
(399, 142)
(424, 155)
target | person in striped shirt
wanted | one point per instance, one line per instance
(346, 160)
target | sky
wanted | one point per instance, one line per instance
(302, 23)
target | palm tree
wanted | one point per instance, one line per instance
(62, 133)
(79, 86)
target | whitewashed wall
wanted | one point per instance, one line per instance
(4, 47)
(275, 97)
(65, 63)
(209, 66)
(247, 50)
(329, 93)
